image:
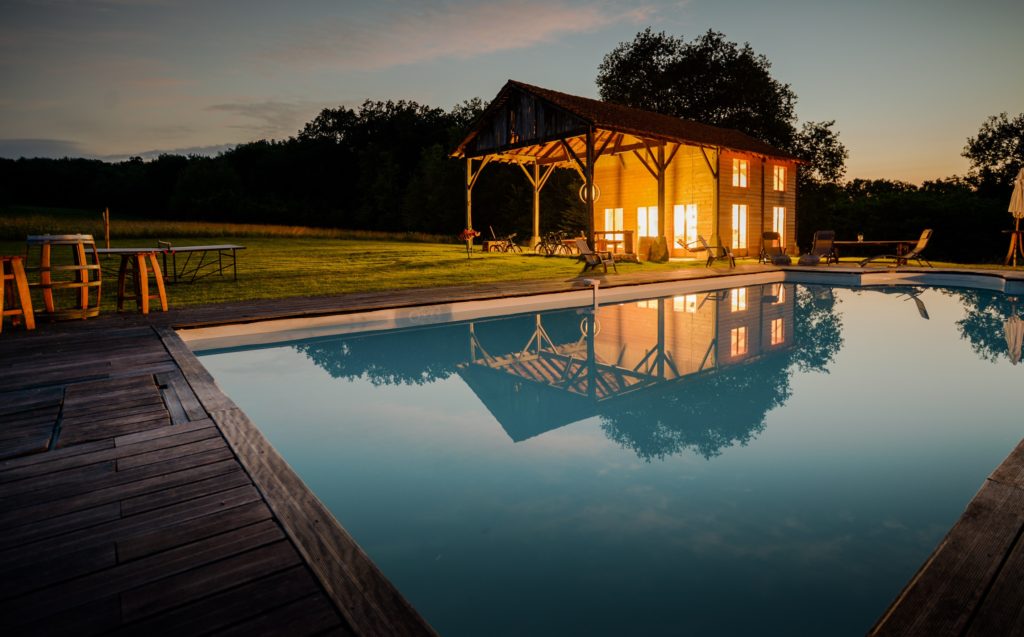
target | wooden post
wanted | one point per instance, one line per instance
(716, 221)
(106, 228)
(535, 239)
(469, 193)
(589, 184)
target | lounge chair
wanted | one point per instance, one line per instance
(772, 251)
(715, 253)
(592, 259)
(821, 248)
(902, 259)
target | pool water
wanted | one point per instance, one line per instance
(770, 460)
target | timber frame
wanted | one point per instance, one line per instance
(541, 130)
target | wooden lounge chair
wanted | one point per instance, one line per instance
(914, 254)
(772, 251)
(716, 253)
(592, 259)
(822, 248)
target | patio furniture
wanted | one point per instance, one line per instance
(772, 251)
(592, 259)
(84, 270)
(715, 253)
(903, 259)
(138, 265)
(822, 247)
(14, 292)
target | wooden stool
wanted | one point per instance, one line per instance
(85, 268)
(136, 263)
(14, 283)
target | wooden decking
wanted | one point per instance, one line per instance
(135, 497)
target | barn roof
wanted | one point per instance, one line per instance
(624, 119)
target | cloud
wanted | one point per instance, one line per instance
(416, 33)
(205, 151)
(268, 118)
(49, 148)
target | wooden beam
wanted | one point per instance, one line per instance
(704, 153)
(671, 156)
(572, 154)
(650, 169)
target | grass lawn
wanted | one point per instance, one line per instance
(282, 261)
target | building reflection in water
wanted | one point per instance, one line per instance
(697, 371)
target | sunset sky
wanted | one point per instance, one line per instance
(907, 81)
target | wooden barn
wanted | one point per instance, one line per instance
(657, 182)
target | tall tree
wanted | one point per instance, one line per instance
(710, 80)
(997, 153)
(819, 145)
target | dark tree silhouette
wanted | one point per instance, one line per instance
(996, 153)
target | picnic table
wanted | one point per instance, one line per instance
(902, 245)
(198, 262)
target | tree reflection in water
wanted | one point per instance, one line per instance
(685, 394)
(984, 323)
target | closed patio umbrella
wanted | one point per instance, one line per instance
(1014, 327)
(1017, 210)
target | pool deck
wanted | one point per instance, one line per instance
(136, 497)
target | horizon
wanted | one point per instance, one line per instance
(906, 85)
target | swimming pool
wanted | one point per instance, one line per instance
(766, 459)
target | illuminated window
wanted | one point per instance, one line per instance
(739, 226)
(647, 221)
(780, 178)
(780, 294)
(738, 341)
(739, 172)
(777, 332)
(779, 223)
(613, 221)
(687, 303)
(685, 222)
(648, 304)
(739, 299)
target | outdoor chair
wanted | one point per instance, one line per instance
(772, 250)
(715, 253)
(592, 259)
(822, 248)
(903, 259)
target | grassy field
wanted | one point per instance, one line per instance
(285, 261)
(282, 261)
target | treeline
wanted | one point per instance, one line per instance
(384, 166)
(968, 220)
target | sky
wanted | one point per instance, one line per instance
(907, 81)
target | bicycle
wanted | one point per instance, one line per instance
(551, 244)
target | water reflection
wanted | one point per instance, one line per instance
(697, 371)
(992, 324)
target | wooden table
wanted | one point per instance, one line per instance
(902, 245)
(1016, 245)
(199, 261)
(606, 241)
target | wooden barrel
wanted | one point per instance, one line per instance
(67, 276)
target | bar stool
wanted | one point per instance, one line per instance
(135, 263)
(86, 272)
(14, 286)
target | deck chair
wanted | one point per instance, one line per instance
(716, 253)
(914, 254)
(772, 251)
(592, 259)
(822, 248)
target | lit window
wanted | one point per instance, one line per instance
(738, 341)
(780, 178)
(685, 221)
(779, 223)
(739, 226)
(777, 332)
(739, 172)
(613, 221)
(780, 294)
(687, 303)
(647, 221)
(648, 304)
(739, 299)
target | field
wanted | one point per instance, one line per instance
(286, 261)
